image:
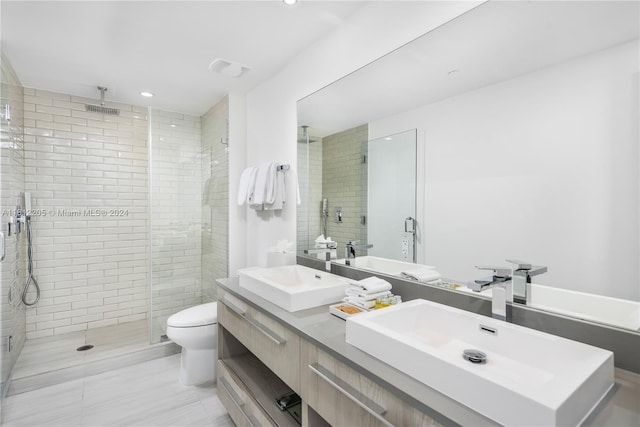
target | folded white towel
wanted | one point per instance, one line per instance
(280, 193)
(247, 183)
(367, 297)
(371, 285)
(251, 186)
(360, 302)
(421, 274)
(265, 182)
(271, 187)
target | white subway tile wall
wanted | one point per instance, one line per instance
(344, 184)
(215, 198)
(176, 194)
(87, 174)
(13, 268)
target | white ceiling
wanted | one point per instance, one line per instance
(160, 46)
(494, 42)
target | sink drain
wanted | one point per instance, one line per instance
(84, 347)
(474, 356)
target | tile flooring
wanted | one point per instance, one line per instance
(144, 394)
(121, 381)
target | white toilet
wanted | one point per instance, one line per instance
(195, 329)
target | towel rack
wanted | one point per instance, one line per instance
(283, 167)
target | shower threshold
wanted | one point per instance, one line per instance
(53, 360)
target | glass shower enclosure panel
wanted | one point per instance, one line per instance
(13, 244)
(175, 220)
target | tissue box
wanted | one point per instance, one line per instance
(278, 259)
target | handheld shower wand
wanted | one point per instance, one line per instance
(31, 280)
(325, 215)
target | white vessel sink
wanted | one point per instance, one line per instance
(381, 265)
(294, 287)
(529, 378)
(596, 308)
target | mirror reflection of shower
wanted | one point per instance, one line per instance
(325, 215)
(312, 209)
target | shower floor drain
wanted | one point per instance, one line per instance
(84, 347)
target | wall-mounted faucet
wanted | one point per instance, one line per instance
(352, 245)
(502, 290)
(522, 273)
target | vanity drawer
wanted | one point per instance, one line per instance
(242, 409)
(344, 397)
(274, 344)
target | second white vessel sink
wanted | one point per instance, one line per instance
(528, 377)
(595, 308)
(294, 287)
(388, 266)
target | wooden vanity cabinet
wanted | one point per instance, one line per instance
(260, 358)
(345, 397)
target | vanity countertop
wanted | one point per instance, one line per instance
(620, 408)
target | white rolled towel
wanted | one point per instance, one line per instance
(367, 297)
(371, 285)
(421, 274)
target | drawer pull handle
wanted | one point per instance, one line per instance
(358, 398)
(266, 331)
(234, 396)
(237, 401)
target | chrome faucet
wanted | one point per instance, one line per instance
(502, 290)
(350, 252)
(326, 251)
(522, 273)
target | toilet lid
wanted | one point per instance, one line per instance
(200, 315)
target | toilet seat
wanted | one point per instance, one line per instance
(200, 315)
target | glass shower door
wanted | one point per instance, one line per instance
(175, 194)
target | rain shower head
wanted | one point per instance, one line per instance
(305, 138)
(304, 141)
(101, 108)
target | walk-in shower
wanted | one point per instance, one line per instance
(123, 237)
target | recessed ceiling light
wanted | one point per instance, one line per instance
(147, 94)
(172, 126)
(290, 2)
(388, 138)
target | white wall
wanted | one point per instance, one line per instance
(375, 29)
(236, 159)
(543, 167)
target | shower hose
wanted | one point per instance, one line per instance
(30, 278)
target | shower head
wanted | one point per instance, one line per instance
(101, 108)
(305, 139)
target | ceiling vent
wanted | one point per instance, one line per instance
(228, 68)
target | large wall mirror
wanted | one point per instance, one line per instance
(526, 117)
